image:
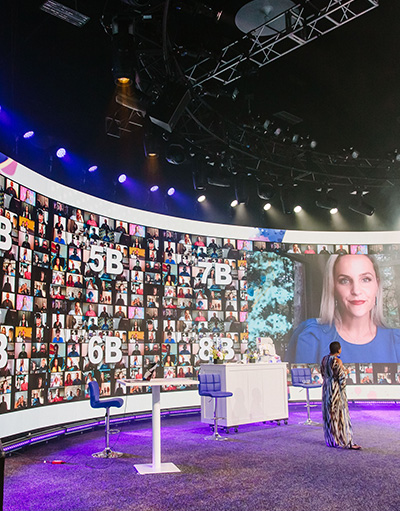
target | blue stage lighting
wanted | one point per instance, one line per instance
(93, 168)
(154, 188)
(61, 152)
(122, 178)
(171, 191)
(28, 134)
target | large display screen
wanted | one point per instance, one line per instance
(87, 295)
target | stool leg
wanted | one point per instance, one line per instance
(216, 435)
(308, 422)
(107, 452)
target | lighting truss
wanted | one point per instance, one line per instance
(64, 13)
(300, 29)
(250, 149)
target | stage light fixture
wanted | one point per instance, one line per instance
(313, 144)
(355, 154)
(297, 208)
(123, 46)
(171, 191)
(325, 201)
(267, 206)
(333, 211)
(154, 188)
(201, 198)
(168, 109)
(358, 205)
(287, 199)
(219, 180)
(200, 173)
(175, 154)
(265, 191)
(122, 178)
(241, 189)
(64, 13)
(234, 203)
(61, 152)
(93, 168)
(28, 134)
(151, 143)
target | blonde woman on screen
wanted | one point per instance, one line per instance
(351, 313)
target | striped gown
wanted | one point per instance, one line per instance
(335, 411)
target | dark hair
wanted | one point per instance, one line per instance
(334, 347)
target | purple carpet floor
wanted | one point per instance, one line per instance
(262, 467)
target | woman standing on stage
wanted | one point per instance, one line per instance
(335, 411)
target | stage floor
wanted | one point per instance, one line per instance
(262, 467)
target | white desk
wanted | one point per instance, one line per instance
(259, 393)
(156, 467)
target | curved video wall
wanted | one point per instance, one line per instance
(91, 289)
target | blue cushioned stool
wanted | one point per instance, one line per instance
(210, 386)
(95, 402)
(301, 377)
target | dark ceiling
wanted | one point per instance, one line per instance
(56, 79)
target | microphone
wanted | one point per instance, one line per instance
(150, 371)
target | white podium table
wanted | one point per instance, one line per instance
(156, 467)
(259, 394)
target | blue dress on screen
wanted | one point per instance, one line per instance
(310, 343)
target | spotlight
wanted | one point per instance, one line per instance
(234, 203)
(151, 144)
(266, 124)
(201, 198)
(175, 154)
(297, 209)
(267, 206)
(122, 38)
(154, 188)
(171, 191)
(325, 201)
(360, 206)
(313, 144)
(333, 211)
(61, 152)
(28, 134)
(122, 178)
(265, 191)
(200, 174)
(241, 189)
(287, 199)
(355, 154)
(93, 168)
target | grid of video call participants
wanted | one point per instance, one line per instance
(160, 306)
(53, 303)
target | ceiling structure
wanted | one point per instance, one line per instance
(305, 108)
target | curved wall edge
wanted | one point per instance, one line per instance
(79, 199)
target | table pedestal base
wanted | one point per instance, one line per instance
(151, 469)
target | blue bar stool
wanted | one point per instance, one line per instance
(301, 377)
(107, 404)
(210, 386)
